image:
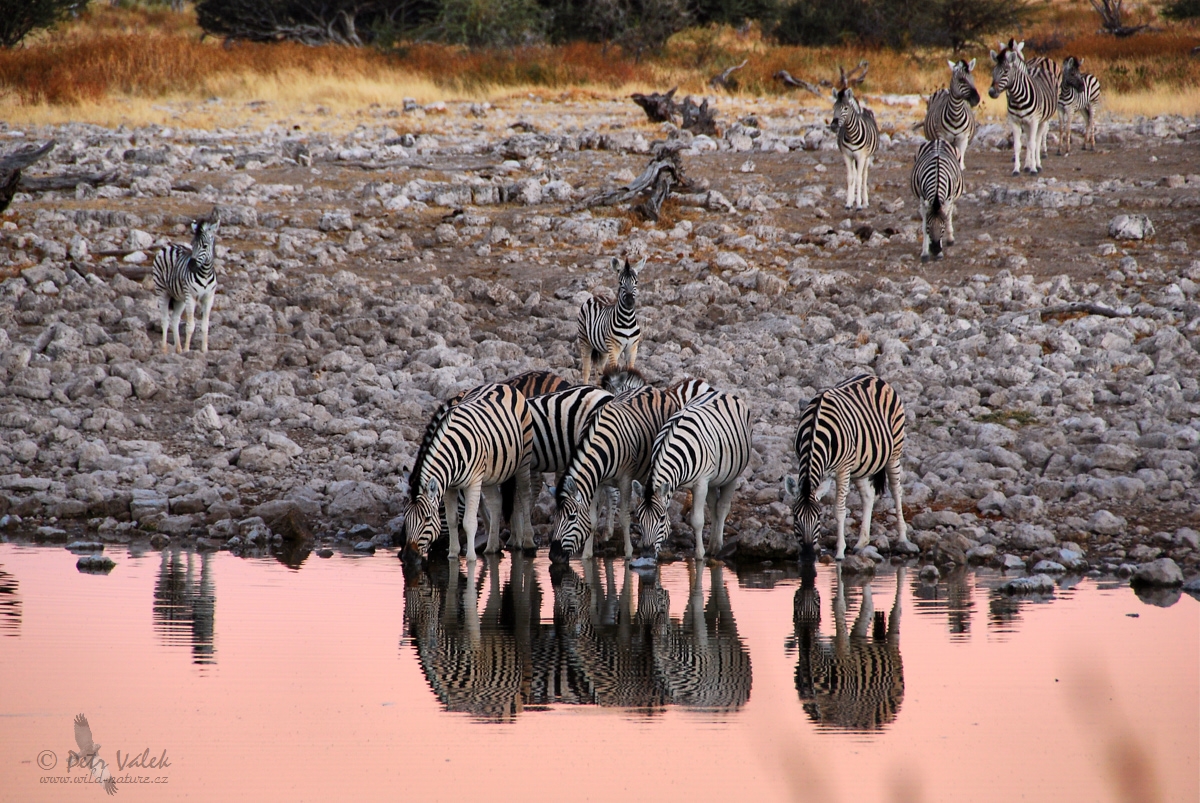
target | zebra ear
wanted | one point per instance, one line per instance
(615, 264)
(433, 487)
(1020, 48)
(195, 226)
(791, 485)
(971, 66)
(952, 64)
(639, 490)
(995, 57)
(569, 487)
(638, 267)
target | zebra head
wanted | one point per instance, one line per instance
(572, 521)
(618, 380)
(422, 522)
(806, 515)
(1008, 61)
(652, 518)
(935, 229)
(204, 238)
(845, 105)
(627, 277)
(1071, 76)
(962, 83)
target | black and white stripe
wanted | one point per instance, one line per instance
(537, 383)
(704, 447)
(615, 450)
(1032, 100)
(559, 422)
(937, 181)
(854, 431)
(184, 276)
(1079, 93)
(474, 443)
(857, 139)
(855, 681)
(949, 115)
(609, 331)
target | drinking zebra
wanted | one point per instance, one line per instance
(949, 115)
(704, 447)
(186, 275)
(857, 139)
(1032, 100)
(474, 443)
(559, 421)
(608, 330)
(1080, 92)
(854, 431)
(856, 679)
(937, 181)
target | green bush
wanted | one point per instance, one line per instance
(19, 18)
(1182, 10)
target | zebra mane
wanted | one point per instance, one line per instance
(806, 451)
(431, 432)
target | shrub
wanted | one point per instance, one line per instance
(19, 18)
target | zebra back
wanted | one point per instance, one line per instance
(937, 177)
(856, 426)
(537, 383)
(559, 421)
(686, 390)
(710, 436)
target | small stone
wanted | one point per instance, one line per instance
(364, 546)
(1130, 227)
(324, 552)
(930, 572)
(1034, 584)
(1010, 563)
(95, 564)
(1105, 523)
(1048, 567)
(1162, 572)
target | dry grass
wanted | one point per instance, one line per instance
(151, 65)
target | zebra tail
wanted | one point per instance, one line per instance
(879, 479)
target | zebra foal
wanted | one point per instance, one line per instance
(854, 431)
(937, 181)
(608, 331)
(704, 447)
(1032, 95)
(1080, 92)
(949, 116)
(186, 275)
(475, 443)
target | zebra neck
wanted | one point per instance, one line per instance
(626, 313)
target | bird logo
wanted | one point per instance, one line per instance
(88, 756)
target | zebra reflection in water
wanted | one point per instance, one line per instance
(852, 681)
(604, 647)
(184, 605)
(10, 605)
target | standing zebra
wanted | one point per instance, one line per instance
(559, 422)
(1032, 100)
(854, 431)
(857, 139)
(949, 115)
(1080, 92)
(937, 181)
(609, 331)
(474, 443)
(704, 447)
(184, 275)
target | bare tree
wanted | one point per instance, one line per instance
(1111, 18)
(723, 79)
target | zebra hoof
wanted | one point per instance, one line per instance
(1016, 172)
(940, 255)
(924, 257)
(949, 242)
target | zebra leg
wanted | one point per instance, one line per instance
(631, 351)
(585, 358)
(866, 489)
(699, 497)
(450, 506)
(1016, 129)
(1064, 130)
(843, 485)
(207, 310)
(723, 503)
(164, 312)
(960, 144)
(176, 313)
(491, 517)
(625, 486)
(864, 199)
(866, 613)
(949, 224)
(471, 519)
(851, 175)
(190, 306)
(522, 523)
(924, 230)
(893, 475)
(1089, 128)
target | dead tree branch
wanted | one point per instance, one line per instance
(1111, 18)
(11, 165)
(659, 108)
(699, 119)
(661, 176)
(722, 79)
(788, 80)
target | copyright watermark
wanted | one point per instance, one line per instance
(94, 769)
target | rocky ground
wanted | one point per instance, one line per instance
(366, 277)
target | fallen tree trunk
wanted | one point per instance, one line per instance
(659, 108)
(11, 165)
(66, 182)
(656, 182)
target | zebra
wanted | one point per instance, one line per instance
(705, 447)
(609, 331)
(186, 275)
(852, 431)
(857, 139)
(619, 380)
(615, 450)
(937, 181)
(687, 390)
(559, 422)
(854, 681)
(1032, 100)
(949, 115)
(474, 443)
(1080, 92)
(537, 383)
